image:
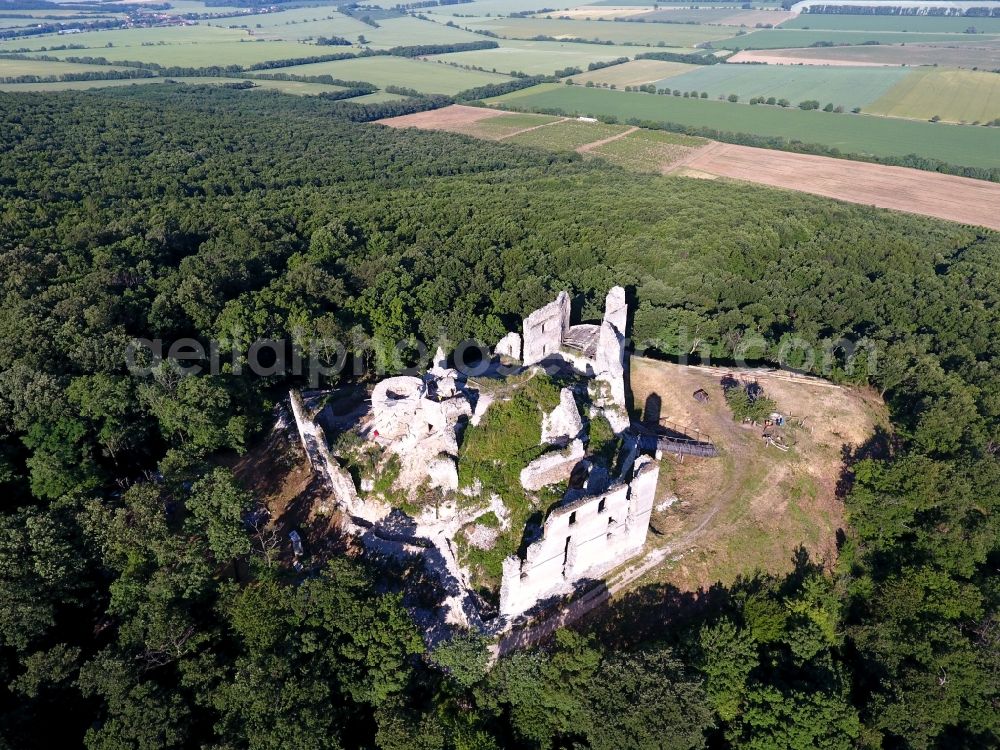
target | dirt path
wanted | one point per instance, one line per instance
(527, 130)
(597, 144)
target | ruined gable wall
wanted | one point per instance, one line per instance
(544, 330)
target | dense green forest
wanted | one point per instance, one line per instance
(137, 610)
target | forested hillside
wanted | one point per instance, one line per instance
(137, 610)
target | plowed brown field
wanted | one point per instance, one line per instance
(915, 191)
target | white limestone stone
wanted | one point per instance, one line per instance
(544, 330)
(509, 346)
(564, 422)
(555, 466)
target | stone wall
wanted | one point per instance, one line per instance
(544, 330)
(509, 346)
(345, 495)
(582, 539)
(555, 466)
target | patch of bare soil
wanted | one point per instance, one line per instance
(445, 118)
(915, 191)
(788, 57)
(755, 504)
(278, 475)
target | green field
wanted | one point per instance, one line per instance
(779, 38)
(857, 134)
(184, 52)
(689, 15)
(924, 24)
(492, 7)
(567, 135)
(619, 32)
(407, 30)
(377, 97)
(178, 7)
(539, 57)
(845, 86)
(10, 67)
(11, 22)
(382, 71)
(634, 73)
(300, 23)
(952, 95)
(202, 34)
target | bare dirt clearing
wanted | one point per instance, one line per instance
(752, 507)
(446, 118)
(914, 191)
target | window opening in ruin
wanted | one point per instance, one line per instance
(572, 518)
(600, 505)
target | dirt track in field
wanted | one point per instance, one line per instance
(442, 119)
(942, 196)
(597, 144)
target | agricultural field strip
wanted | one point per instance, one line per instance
(845, 86)
(898, 188)
(903, 24)
(537, 58)
(958, 55)
(14, 67)
(782, 38)
(529, 129)
(853, 134)
(634, 73)
(382, 71)
(951, 95)
(620, 32)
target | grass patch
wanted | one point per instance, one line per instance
(494, 452)
(568, 135)
(506, 440)
(648, 150)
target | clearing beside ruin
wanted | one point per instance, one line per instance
(752, 507)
